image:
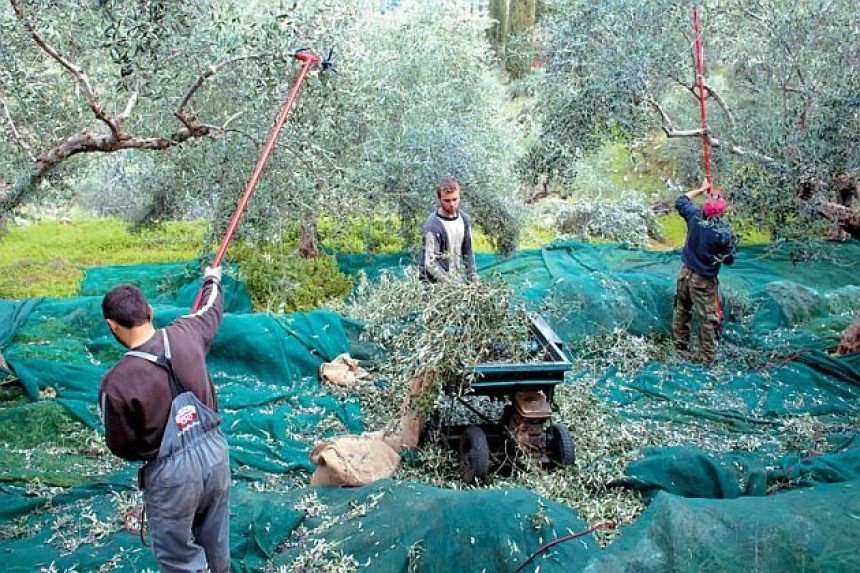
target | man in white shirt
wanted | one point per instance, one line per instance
(447, 255)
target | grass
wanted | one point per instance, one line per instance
(48, 258)
(612, 171)
(380, 234)
(674, 231)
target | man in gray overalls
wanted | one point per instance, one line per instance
(159, 406)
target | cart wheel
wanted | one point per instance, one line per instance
(474, 455)
(559, 445)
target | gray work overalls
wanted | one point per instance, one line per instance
(186, 488)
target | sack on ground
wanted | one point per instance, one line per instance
(353, 461)
(342, 371)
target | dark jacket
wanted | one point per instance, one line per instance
(134, 395)
(710, 242)
(434, 225)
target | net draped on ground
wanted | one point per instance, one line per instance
(706, 511)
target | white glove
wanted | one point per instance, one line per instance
(213, 272)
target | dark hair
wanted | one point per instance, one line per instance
(127, 305)
(447, 185)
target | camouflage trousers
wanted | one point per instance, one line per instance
(696, 294)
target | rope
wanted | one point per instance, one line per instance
(132, 518)
(554, 542)
(790, 469)
(143, 526)
(794, 356)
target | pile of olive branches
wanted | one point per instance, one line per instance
(447, 328)
(444, 329)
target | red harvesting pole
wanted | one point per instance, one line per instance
(700, 77)
(308, 59)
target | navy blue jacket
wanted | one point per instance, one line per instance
(710, 242)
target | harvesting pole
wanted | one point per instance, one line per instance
(308, 59)
(700, 78)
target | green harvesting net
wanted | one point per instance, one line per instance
(763, 504)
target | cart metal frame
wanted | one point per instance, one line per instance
(528, 390)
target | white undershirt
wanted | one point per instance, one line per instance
(456, 231)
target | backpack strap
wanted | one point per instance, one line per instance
(176, 387)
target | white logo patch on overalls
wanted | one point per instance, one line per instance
(186, 418)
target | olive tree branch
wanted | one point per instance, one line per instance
(668, 127)
(77, 72)
(213, 69)
(16, 135)
(88, 141)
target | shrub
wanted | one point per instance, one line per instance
(628, 221)
(375, 235)
(282, 281)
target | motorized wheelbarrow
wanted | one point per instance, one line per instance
(508, 407)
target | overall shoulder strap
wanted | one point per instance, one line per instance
(176, 387)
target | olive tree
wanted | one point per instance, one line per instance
(781, 85)
(92, 79)
(426, 102)
(87, 90)
(414, 94)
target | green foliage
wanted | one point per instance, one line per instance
(421, 117)
(673, 230)
(776, 105)
(374, 235)
(616, 168)
(280, 280)
(521, 53)
(32, 264)
(141, 57)
(628, 220)
(784, 213)
(415, 97)
(512, 33)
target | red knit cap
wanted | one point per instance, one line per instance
(714, 207)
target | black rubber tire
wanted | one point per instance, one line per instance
(559, 445)
(474, 455)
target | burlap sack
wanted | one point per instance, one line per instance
(411, 423)
(353, 461)
(342, 371)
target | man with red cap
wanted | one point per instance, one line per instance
(710, 243)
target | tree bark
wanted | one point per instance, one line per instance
(499, 11)
(523, 14)
(86, 142)
(845, 218)
(309, 246)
